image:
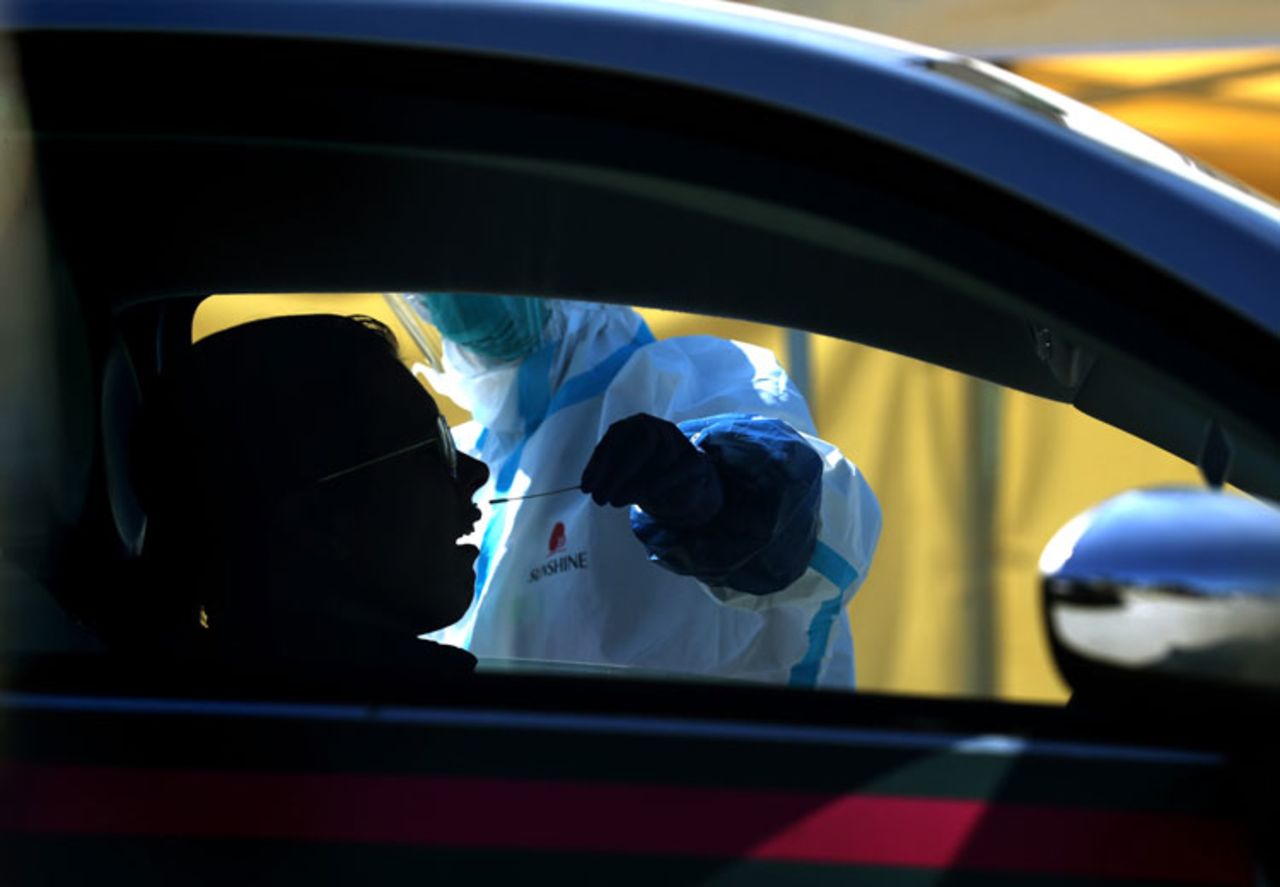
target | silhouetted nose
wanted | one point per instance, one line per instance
(472, 474)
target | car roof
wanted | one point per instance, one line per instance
(1080, 164)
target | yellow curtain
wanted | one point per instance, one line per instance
(1016, 28)
(1222, 107)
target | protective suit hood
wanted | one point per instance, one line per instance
(512, 398)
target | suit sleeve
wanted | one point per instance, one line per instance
(766, 534)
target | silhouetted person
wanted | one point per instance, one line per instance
(305, 499)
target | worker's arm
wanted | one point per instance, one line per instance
(733, 500)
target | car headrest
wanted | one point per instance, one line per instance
(121, 410)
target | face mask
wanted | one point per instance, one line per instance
(502, 329)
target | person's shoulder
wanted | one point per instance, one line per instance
(701, 353)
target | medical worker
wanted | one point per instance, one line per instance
(745, 535)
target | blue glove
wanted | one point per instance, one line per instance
(767, 529)
(647, 461)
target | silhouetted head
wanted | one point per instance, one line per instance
(304, 489)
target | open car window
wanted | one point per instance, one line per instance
(972, 480)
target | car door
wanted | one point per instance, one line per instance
(267, 157)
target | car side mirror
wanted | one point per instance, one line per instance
(1175, 587)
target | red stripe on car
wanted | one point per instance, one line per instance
(439, 811)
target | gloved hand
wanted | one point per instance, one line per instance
(647, 461)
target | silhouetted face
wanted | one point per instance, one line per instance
(397, 510)
(330, 485)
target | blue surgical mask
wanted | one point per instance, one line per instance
(501, 328)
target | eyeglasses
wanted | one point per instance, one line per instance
(443, 438)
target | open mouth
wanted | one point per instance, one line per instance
(469, 527)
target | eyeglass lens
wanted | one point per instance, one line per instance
(448, 449)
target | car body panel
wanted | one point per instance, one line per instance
(1065, 157)
(666, 145)
(327, 791)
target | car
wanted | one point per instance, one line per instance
(673, 154)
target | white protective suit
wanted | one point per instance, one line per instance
(562, 579)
